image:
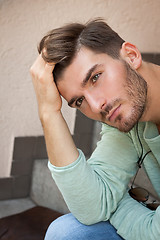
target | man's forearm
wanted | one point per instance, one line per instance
(60, 146)
(134, 221)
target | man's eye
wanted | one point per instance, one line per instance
(79, 101)
(95, 78)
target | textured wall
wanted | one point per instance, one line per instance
(23, 22)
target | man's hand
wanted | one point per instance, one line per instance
(48, 98)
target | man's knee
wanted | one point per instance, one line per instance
(64, 227)
(68, 227)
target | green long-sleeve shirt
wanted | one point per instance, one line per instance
(97, 189)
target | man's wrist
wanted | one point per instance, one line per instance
(49, 115)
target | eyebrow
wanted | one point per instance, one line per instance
(88, 75)
(70, 103)
(84, 82)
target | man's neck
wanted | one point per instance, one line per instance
(158, 126)
(151, 73)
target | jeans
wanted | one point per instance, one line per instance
(68, 227)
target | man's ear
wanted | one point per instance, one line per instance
(131, 55)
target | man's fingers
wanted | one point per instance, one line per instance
(41, 69)
(37, 66)
(40, 62)
(49, 67)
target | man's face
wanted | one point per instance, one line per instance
(104, 89)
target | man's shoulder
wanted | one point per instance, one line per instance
(138, 127)
(107, 128)
(110, 131)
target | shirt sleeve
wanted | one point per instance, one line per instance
(92, 189)
(135, 221)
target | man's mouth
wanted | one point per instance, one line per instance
(113, 114)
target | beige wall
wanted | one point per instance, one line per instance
(23, 22)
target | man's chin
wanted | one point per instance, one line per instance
(126, 127)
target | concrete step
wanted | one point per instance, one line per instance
(9, 207)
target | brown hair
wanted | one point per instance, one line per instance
(62, 44)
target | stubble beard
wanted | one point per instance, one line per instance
(136, 89)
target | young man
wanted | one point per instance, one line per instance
(104, 77)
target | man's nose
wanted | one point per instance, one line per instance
(96, 103)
